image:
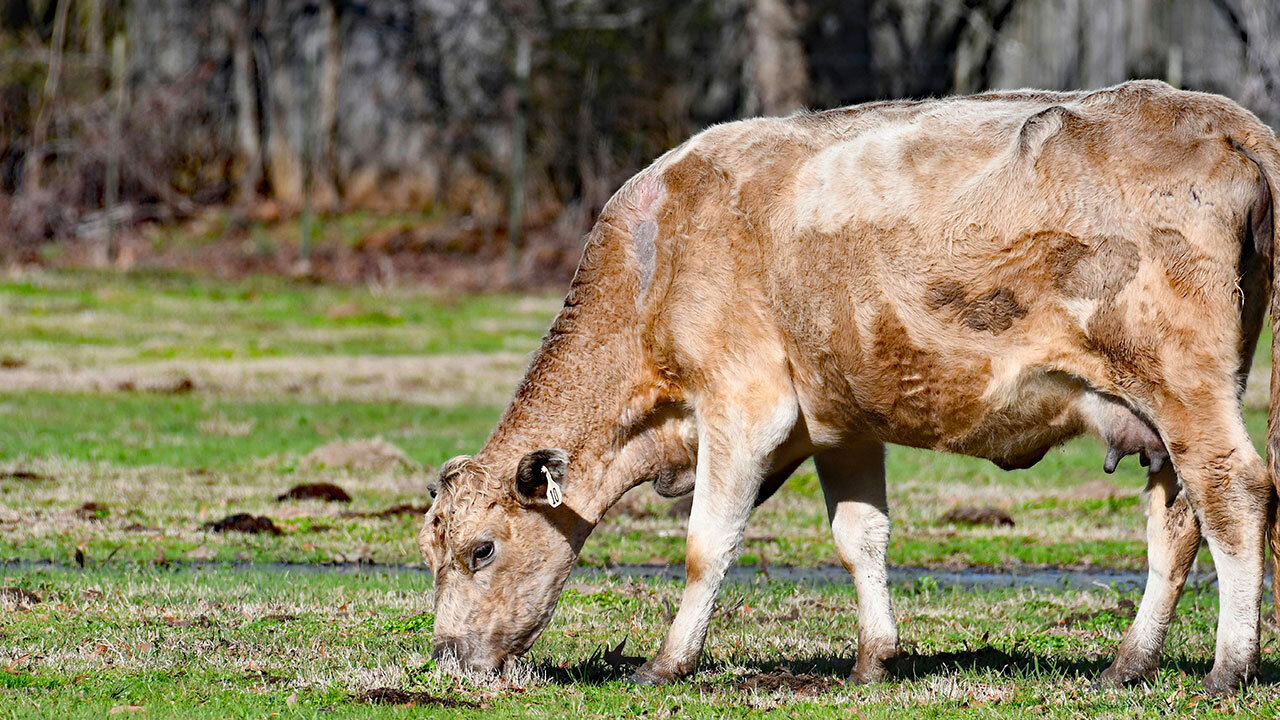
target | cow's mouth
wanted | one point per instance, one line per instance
(467, 653)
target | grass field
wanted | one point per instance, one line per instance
(136, 409)
(226, 643)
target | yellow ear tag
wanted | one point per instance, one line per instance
(554, 496)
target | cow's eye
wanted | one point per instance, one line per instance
(481, 555)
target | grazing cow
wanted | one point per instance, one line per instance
(987, 275)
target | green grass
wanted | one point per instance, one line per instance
(190, 431)
(171, 463)
(223, 643)
(233, 441)
(170, 401)
(74, 316)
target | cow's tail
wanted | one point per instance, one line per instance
(1263, 219)
(1259, 144)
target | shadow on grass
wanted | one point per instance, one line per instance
(915, 666)
(828, 672)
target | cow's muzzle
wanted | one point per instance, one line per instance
(468, 655)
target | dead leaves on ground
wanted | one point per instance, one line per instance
(784, 680)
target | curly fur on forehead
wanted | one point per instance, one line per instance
(464, 485)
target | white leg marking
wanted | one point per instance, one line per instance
(854, 486)
(733, 456)
(1172, 540)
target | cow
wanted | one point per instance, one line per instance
(988, 275)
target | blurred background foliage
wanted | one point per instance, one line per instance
(472, 142)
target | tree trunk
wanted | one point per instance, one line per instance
(245, 89)
(779, 75)
(40, 132)
(326, 190)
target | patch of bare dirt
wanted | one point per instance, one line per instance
(988, 516)
(402, 509)
(328, 492)
(784, 680)
(20, 595)
(92, 511)
(375, 454)
(8, 362)
(24, 475)
(395, 696)
(243, 522)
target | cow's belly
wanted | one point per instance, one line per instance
(911, 374)
(1019, 424)
(1012, 423)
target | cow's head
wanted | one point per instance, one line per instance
(501, 549)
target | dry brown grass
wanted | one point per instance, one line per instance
(472, 379)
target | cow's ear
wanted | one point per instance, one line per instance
(540, 477)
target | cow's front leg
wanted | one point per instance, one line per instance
(736, 446)
(1173, 537)
(853, 483)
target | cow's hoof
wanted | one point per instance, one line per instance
(868, 675)
(1127, 671)
(1225, 680)
(874, 660)
(871, 670)
(650, 674)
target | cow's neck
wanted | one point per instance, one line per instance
(580, 384)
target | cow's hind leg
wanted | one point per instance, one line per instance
(736, 447)
(1173, 536)
(1229, 489)
(853, 483)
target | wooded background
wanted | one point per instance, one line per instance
(494, 116)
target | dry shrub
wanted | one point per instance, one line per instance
(172, 159)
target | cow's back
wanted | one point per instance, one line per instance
(947, 271)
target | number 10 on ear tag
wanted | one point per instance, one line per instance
(554, 496)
